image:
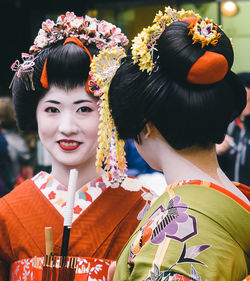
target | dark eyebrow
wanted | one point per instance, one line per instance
(80, 101)
(53, 101)
(76, 102)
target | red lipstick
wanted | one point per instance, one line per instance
(68, 145)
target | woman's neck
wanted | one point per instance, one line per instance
(191, 163)
(85, 174)
(195, 163)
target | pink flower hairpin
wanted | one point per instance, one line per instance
(25, 67)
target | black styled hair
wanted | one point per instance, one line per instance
(185, 114)
(67, 67)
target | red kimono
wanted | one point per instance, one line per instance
(100, 231)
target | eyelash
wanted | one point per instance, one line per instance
(86, 109)
(81, 109)
(51, 110)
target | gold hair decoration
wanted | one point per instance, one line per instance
(144, 44)
(110, 149)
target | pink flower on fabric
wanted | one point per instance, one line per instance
(52, 195)
(77, 209)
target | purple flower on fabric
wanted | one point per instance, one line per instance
(61, 187)
(173, 222)
(194, 251)
(93, 183)
(188, 255)
(101, 185)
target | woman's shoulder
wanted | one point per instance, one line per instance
(244, 189)
(17, 193)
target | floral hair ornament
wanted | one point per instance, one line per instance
(144, 44)
(211, 67)
(26, 67)
(204, 32)
(88, 30)
(110, 149)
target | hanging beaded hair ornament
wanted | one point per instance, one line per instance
(110, 41)
(144, 44)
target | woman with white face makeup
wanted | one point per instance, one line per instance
(58, 93)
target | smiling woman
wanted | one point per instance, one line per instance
(60, 90)
(73, 117)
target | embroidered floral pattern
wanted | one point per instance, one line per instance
(175, 223)
(172, 222)
(157, 275)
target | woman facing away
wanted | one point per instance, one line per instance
(178, 95)
(59, 94)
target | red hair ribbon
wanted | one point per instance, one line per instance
(75, 40)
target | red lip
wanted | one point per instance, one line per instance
(68, 145)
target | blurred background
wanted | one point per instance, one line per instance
(21, 20)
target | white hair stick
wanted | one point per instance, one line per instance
(69, 211)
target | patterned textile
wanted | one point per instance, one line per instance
(196, 231)
(98, 231)
(56, 193)
(87, 269)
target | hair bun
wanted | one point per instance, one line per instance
(189, 60)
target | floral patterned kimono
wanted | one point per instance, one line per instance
(104, 217)
(196, 230)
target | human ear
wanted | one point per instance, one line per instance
(148, 130)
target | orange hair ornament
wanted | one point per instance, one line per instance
(44, 76)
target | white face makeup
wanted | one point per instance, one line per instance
(68, 125)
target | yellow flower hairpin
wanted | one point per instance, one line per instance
(144, 44)
(110, 151)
